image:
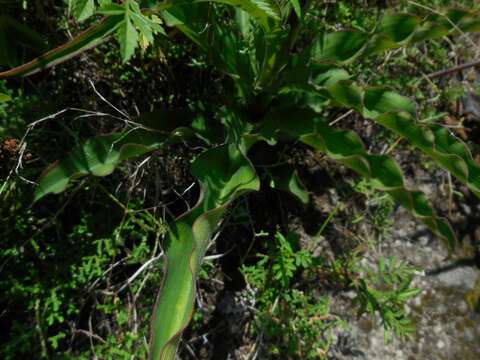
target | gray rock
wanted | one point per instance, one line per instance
(440, 344)
(463, 277)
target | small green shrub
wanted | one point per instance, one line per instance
(293, 322)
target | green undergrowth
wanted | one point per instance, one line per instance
(65, 264)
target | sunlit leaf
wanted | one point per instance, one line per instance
(83, 9)
(127, 37)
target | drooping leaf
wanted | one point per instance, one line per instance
(346, 148)
(437, 142)
(224, 174)
(397, 113)
(393, 31)
(100, 155)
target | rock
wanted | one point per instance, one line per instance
(468, 335)
(463, 277)
(440, 344)
(462, 307)
(351, 294)
(423, 240)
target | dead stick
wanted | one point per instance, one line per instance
(453, 70)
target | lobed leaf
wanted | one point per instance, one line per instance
(127, 37)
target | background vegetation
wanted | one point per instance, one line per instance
(80, 271)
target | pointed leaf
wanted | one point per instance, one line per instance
(296, 7)
(83, 9)
(127, 37)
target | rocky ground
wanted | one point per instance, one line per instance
(446, 328)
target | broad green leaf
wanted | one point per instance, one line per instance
(127, 37)
(83, 9)
(347, 148)
(4, 98)
(224, 174)
(100, 155)
(398, 27)
(339, 46)
(396, 113)
(87, 40)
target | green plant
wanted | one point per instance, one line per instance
(297, 323)
(278, 90)
(385, 289)
(379, 206)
